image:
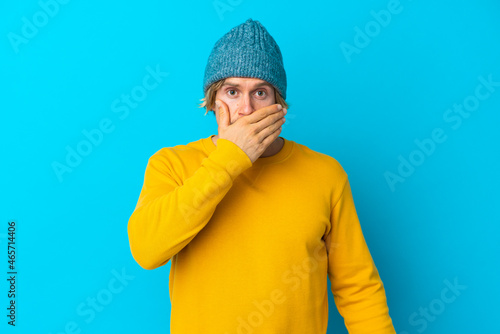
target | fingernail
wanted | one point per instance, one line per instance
(285, 110)
(280, 107)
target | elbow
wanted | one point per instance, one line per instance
(140, 249)
(145, 263)
(145, 258)
(145, 255)
(139, 256)
(144, 247)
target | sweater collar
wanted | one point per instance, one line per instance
(281, 156)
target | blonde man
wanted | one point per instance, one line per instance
(254, 223)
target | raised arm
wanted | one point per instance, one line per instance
(170, 212)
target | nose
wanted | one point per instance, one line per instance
(246, 107)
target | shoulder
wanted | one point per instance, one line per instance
(322, 163)
(323, 170)
(177, 154)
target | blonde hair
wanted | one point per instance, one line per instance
(209, 99)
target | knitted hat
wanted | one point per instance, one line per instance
(247, 50)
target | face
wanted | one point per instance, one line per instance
(245, 95)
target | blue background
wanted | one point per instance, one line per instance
(366, 109)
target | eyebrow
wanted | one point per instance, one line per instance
(256, 86)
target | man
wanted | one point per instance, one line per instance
(254, 223)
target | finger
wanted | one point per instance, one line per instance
(223, 112)
(262, 113)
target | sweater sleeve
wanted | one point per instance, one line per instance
(356, 285)
(170, 212)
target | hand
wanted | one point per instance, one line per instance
(252, 133)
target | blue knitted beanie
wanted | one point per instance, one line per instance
(247, 50)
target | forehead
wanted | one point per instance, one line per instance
(252, 82)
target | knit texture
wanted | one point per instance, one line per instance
(247, 50)
(251, 245)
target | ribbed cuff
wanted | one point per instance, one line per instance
(231, 157)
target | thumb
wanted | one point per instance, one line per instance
(223, 113)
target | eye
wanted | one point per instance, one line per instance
(231, 90)
(263, 93)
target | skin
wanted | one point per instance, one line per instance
(253, 119)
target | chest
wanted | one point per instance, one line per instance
(278, 205)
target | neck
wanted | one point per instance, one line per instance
(271, 150)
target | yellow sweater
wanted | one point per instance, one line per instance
(251, 245)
